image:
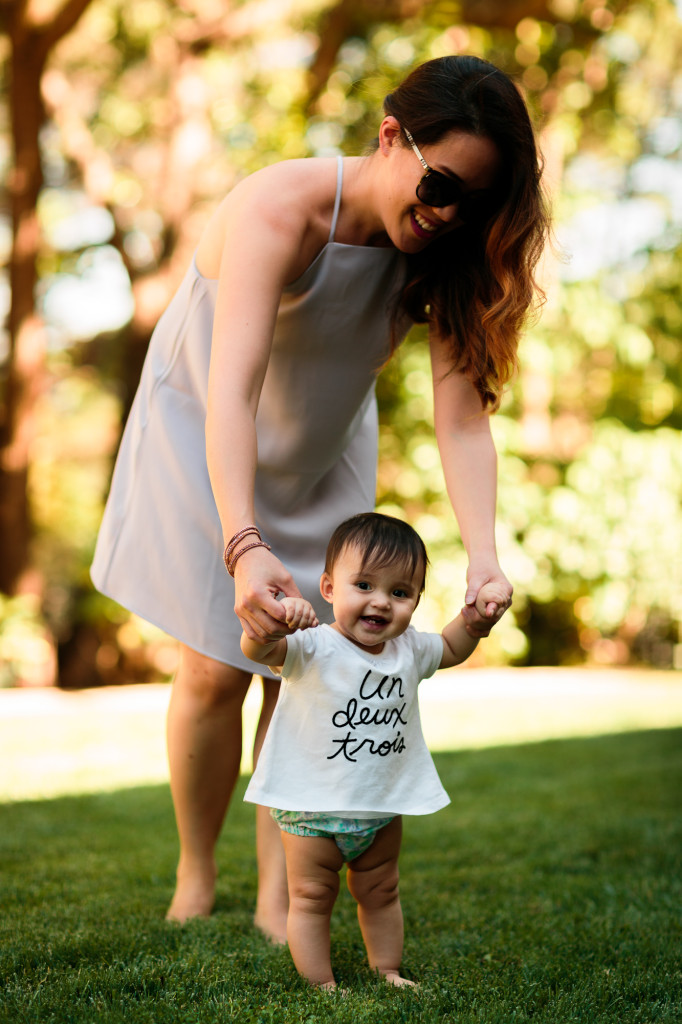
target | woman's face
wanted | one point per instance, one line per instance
(471, 161)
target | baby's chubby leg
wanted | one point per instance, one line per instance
(313, 865)
(373, 882)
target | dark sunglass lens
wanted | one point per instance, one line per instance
(437, 190)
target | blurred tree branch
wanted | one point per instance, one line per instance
(353, 17)
(349, 18)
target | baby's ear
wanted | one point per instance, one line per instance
(327, 587)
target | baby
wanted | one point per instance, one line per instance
(344, 757)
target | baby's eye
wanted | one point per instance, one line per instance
(398, 592)
(363, 585)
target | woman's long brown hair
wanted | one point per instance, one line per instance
(476, 285)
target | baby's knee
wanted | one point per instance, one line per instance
(375, 889)
(313, 896)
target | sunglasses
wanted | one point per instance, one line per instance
(436, 189)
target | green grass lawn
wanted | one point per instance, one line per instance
(550, 890)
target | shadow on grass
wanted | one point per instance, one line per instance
(549, 890)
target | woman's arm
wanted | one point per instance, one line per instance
(469, 465)
(261, 243)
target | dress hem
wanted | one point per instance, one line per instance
(245, 664)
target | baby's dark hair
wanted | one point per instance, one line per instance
(381, 540)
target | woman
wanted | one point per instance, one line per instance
(253, 433)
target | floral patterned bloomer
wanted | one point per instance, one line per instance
(352, 835)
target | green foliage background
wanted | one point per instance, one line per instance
(156, 109)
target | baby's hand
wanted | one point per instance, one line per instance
(489, 599)
(299, 613)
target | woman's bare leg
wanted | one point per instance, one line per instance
(204, 734)
(272, 904)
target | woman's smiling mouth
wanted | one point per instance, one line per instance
(422, 227)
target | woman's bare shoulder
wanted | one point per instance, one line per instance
(293, 198)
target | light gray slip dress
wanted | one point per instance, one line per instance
(160, 546)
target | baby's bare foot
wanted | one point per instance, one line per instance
(194, 895)
(394, 978)
(331, 986)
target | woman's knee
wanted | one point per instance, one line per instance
(209, 681)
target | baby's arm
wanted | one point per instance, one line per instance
(458, 645)
(300, 614)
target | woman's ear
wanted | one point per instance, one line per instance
(326, 587)
(389, 134)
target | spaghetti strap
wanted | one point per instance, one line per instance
(337, 200)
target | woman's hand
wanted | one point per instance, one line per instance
(488, 595)
(259, 577)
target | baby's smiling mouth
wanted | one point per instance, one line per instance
(374, 620)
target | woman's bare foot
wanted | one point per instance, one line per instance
(271, 920)
(194, 894)
(394, 978)
(272, 901)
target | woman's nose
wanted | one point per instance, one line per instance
(447, 213)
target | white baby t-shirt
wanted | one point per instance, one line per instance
(346, 736)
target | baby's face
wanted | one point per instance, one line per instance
(371, 605)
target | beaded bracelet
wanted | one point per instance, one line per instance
(231, 562)
(230, 555)
(232, 544)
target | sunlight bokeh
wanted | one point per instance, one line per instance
(54, 743)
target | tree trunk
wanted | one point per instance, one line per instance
(26, 361)
(30, 45)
